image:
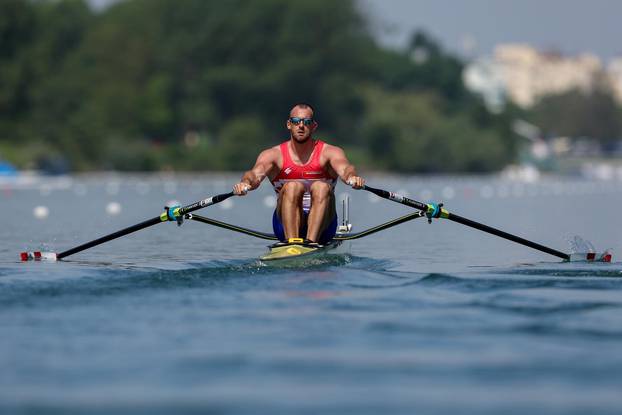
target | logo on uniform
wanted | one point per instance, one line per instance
(287, 170)
(312, 173)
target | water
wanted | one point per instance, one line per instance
(418, 319)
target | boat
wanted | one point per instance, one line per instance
(295, 249)
(298, 249)
(7, 170)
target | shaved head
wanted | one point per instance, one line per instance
(302, 106)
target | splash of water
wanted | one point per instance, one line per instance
(578, 244)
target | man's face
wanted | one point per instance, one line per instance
(301, 131)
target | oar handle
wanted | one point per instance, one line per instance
(205, 203)
(397, 198)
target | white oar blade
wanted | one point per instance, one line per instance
(591, 257)
(38, 256)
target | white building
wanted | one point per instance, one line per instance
(523, 75)
(484, 76)
(614, 75)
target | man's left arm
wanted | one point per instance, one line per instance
(344, 169)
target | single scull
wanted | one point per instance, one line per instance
(293, 249)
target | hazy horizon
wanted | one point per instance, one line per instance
(567, 26)
(570, 27)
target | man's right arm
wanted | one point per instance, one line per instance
(253, 178)
(340, 165)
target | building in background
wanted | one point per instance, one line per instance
(523, 74)
(614, 74)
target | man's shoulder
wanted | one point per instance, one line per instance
(272, 150)
(271, 153)
(330, 149)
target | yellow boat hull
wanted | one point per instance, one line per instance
(295, 251)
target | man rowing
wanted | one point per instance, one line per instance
(303, 172)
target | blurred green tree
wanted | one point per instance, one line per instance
(580, 114)
(125, 87)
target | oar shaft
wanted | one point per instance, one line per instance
(464, 221)
(142, 225)
(205, 203)
(508, 236)
(114, 235)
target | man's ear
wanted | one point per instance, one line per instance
(315, 125)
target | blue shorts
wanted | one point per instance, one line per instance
(325, 236)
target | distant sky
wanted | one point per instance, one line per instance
(567, 26)
(99, 4)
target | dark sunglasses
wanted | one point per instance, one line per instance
(297, 120)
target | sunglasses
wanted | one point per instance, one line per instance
(297, 120)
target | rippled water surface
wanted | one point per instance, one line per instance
(422, 318)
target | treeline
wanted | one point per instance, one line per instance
(204, 85)
(593, 115)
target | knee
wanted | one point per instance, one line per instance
(320, 191)
(292, 191)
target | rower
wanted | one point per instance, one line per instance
(303, 172)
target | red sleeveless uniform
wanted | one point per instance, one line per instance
(307, 173)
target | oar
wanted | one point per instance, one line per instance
(434, 211)
(170, 214)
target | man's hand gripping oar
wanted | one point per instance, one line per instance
(175, 213)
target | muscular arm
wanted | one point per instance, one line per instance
(340, 165)
(252, 178)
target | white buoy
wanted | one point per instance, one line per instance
(269, 201)
(41, 212)
(448, 193)
(486, 192)
(226, 204)
(113, 208)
